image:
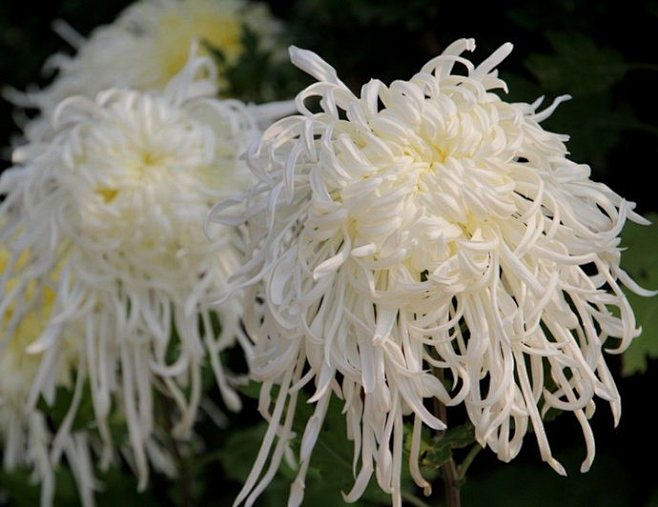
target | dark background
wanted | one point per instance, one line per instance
(602, 53)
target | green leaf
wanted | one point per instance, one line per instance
(578, 66)
(120, 488)
(257, 75)
(17, 488)
(250, 390)
(587, 71)
(593, 124)
(84, 419)
(330, 470)
(437, 451)
(639, 261)
(518, 484)
(240, 450)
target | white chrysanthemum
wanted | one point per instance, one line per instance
(148, 45)
(116, 203)
(424, 229)
(24, 432)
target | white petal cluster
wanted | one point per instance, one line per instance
(24, 432)
(420, 231)
(147, 46)
(107, 217)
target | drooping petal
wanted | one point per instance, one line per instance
(430, 225)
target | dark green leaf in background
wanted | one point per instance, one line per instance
(641, 263)
(578, 65)
(330, 471)
(605, 485)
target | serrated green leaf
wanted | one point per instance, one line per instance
(587, 71)
(330, 471)
(594, 126)
(579, 65)
(639, 260)
(645, 346)
(641, 242)
(438, 450)
(458, 437)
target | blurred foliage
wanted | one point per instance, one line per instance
(577, 64)
(330, 471)
(588, 72)
(18, 489)
(258, 76)
(640, 262)
(595, 51)
(607, 484)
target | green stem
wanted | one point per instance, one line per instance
(463, 467)
(451, 484)
(449, 472)
(184, 476)
(413, 500)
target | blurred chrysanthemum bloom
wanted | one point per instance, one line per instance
(105, 222)
(148, 45)
(427, 240)
(24, 431)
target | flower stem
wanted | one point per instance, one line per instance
(184, 476)
(451, 478)
(451, 484)
(449, 473)
(413, 500)
(463, 466)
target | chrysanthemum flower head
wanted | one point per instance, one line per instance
(25, 436)
(115, 205)
(148, 45)
(220, 25)
(421, 230)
